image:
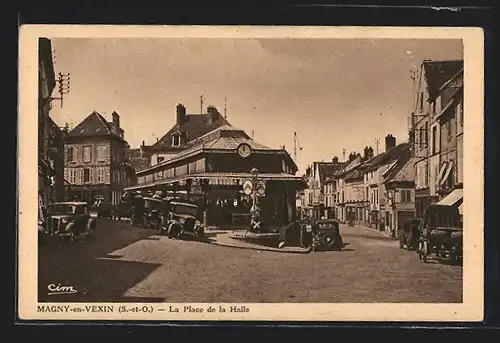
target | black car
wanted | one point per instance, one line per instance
(69, 219)
(181, 221)
(326, 235)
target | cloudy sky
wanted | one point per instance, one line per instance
(335, 93)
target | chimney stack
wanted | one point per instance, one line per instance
(212, 114)
(335, 160)
(368, 153)
(181, 114)
(390, 142)
(116, 120)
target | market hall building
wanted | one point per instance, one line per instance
(210, 159)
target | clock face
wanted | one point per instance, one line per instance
(244, 150)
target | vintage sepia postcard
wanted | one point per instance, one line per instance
(250, 173)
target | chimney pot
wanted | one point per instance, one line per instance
(390, 142)
(181, 114)
(116, 120)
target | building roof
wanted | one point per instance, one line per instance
(349, 165)
(225, 137)
(439, 72)
(94, 125)
(327, 170)
(404, 170)
(356, 172)
(194, 126)
(392, 154)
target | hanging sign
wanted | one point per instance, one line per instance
(248, 186)
(260, 187)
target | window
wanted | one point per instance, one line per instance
(438, 104)
(86, 153)
(406, 196)
(176, 140)
(434, 140)
(460, 112)
(86, 175)
(161, 159)
(421, 101)
(72, 176)
(448, 129)
(71, 156)
(101, 150)
(101, 175)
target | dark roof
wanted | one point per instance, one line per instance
(194, 126)
(225, 137)
(356, 172)
(327, 170)
(404, 171)
(393, 154)
(439, 72)
(94, 125)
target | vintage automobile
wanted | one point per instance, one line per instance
(151, 216)
(181, 221)
(105, 210)
(69, 220)
(326, 235)
(441, 234)
(409, 233)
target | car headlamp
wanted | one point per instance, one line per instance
(64, 220)
(197, 223)
(182, 220)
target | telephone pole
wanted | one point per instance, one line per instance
(225, 110)
(377, 141)
(202, 100)
(343, 154)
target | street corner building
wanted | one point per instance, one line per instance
(96, 163)
(209, 160)
(51, 179)
(437, 135)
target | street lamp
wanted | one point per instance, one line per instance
(255, 211)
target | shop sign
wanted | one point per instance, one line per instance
(260, 187)
(248, 186)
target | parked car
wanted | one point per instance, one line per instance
(441, 234)
(326, 235)
(151, 215)
(105, 210)
(409, 234)
(69, 220)
(181, 221)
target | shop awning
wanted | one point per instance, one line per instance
(452, 198)
(222, 179)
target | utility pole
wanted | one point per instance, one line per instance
(202, 100)
(377, 141)
(225, 110)
(343, 154)
(63, 80)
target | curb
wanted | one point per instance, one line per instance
(229, 245)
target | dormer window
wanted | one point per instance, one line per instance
(176, 139)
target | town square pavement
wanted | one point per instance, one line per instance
(122, 263)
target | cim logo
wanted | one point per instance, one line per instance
(60, 289)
